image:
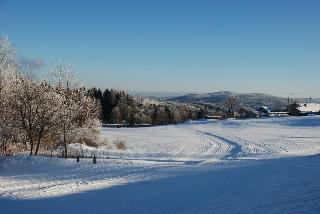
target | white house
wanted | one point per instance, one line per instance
(309, 108)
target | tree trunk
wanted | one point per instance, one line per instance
(65, 145)
(5, 147)
(31, 144)
(39, 141)
(38, 145)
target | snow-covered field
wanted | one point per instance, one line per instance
(235, 166)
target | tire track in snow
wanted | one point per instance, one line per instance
(215, 146)
(236, 148)
(218, 144)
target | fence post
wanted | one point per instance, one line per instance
(94, 159)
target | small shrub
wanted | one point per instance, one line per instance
(121, 145)
(90, 142)
(107, 145)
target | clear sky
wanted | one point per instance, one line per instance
(268, 46)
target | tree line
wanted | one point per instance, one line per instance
(119, 107)
(42, 114)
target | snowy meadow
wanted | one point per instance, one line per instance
(205, 166)
(159, 107)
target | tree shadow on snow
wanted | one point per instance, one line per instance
(267, 186)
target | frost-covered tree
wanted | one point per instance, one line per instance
(28, 104)
(39, 113)
(8, 76)
(79, 111)
(8, 62)
(49, 116)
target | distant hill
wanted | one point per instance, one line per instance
(212, 98)
(157, 95)
(254, 100)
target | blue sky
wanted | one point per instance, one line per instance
(195, 46)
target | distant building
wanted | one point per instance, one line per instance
(265, 111)
(309, 108)
(125, 125)
(215, 117)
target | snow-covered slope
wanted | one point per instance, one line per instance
(234, 166)
(212, 139)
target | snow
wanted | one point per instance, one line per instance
(309, 107)
(207, 139)
(234, 166)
